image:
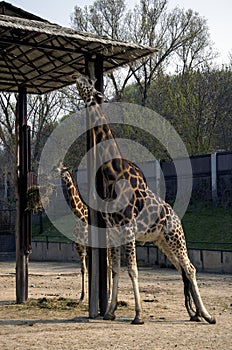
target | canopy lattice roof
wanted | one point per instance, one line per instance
(42, 56)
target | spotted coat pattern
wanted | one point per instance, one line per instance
(80, 210)
(145, 217)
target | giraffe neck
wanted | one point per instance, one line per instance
(78, 208)
(97, 118)
(103, 132)
(112, 167)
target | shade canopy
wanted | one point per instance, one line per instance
(42, 56)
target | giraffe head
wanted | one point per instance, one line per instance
(86, 88)
(63, 171)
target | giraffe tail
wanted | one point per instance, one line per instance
(192, 296)
(188, 297)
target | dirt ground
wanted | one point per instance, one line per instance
(53, 319)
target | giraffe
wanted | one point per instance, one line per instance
(145, 217)
(80, 210)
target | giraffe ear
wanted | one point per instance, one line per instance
(75, 75)
(92, 81)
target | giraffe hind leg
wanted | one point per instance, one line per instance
(188, 299)
(191, 292)
(115, 254)
(166, 249)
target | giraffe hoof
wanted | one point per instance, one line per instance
(137, 320)
(109, 317)
(212, 320)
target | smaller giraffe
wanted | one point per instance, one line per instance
(80, 210)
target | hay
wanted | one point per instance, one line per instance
(34, 193)
(33, 199)
(54, 303)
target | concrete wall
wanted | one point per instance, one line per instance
(203, 260)
(43, 251)
(211, 176)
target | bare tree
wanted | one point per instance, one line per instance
(43, 113)
(7, 146)
(7, 122)
(178, 34)
(181, 36)
(102, 18)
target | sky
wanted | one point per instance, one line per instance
(217, 13)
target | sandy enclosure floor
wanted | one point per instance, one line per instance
(52, 318)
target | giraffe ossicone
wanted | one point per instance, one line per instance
(145, 217)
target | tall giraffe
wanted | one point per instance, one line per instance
(80, 210)
(145, 217)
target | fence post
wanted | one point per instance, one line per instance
(214, 176)
(157, 177)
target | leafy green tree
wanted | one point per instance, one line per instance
(197, 103)
(221, 107)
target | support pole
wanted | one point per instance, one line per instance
(157, 177)
(103, 295)
(23, 224)
(214, 177)
(97, 256)
(93, 267)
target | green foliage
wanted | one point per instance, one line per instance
(76, 152)
(197, 103)
(50, 233)
(210, 224)
(205, 223)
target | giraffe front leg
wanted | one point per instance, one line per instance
(115, 259)
(84, 278)
(133, 273)
(109, 272)
(82, 253)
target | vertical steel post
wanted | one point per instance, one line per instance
(98, 297)
(93, 267)
(23, 229)
(103, 295)
(214, 177)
